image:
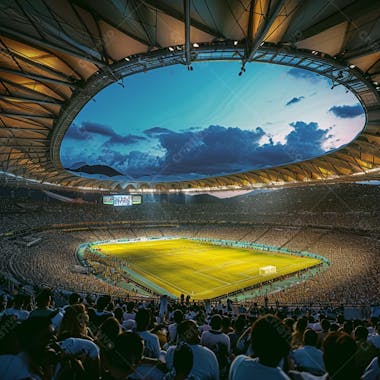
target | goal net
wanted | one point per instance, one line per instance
(269, 269)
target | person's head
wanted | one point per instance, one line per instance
(102, 303)
(338, 355)
(143, 319)
(34, 335)
(289, 323)
(178, 316)
(188, 332)
(130, 306)
(226, 323)
(240, 324)
(9, 343)
(118, 314)
(333, 327)
(360, 333)
(348, 327)
(107, 332)
(183, 360)
(125, 354)
(216, 322)
(74, 298)
(301, 324)
(310, 338)
(18, 301)
(270, 340)
(325, 324)
(74, 322)
(43, 298)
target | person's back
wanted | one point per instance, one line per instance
(246, 368)
(270, 343)
(366, 351)
(205, 364)
(308, 357)
(151, 341)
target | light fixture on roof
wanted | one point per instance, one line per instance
(195, 45)
(314, 52)
(378, 88)
(127, 59)
(236, 42)
(376, 83)
(352, 66)
(262, 44)
(171, 48)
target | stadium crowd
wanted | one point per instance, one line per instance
(349, 206)
(86, 337)
(351, 279)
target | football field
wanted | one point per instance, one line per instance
(200, 269)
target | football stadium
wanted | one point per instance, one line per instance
(189, 189)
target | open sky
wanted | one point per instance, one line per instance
(173, 124)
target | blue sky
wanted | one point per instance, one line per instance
(173, 124)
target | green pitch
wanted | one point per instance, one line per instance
(202, 270)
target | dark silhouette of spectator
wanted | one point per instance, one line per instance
(270, 342)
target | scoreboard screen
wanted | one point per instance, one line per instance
(122, 200)
(136, 199)
(108, 200)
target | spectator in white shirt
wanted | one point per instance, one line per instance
(217, 341)
(375, 338)
(308, 357)
(205, 365)
(172, 328)
(151, 343)
(18, 309)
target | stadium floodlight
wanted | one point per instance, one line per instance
(127, 59)
(352, 66)
(171, 48)
(236, 42)
(195, 45)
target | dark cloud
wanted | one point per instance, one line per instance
(156, 131)
(294, 100)
(305, 74)
(89, 130)
(346, 111)
(215, 150)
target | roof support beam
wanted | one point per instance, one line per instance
(186, 5)
(33, 130)
(37, 77)
(25, 115)
(38, 65)
(36, 42)
(29, 100)
(370, 48)
(179, 16)
(114, 25)
(349, 13)
(39, 94)
(264, 27)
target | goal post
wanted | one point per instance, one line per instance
(269, 269)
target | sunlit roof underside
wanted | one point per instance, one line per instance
(56, 56)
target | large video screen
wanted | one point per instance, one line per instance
(108, 200)
(136, 199)
(122, 200)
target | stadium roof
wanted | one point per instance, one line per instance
(55, 56)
